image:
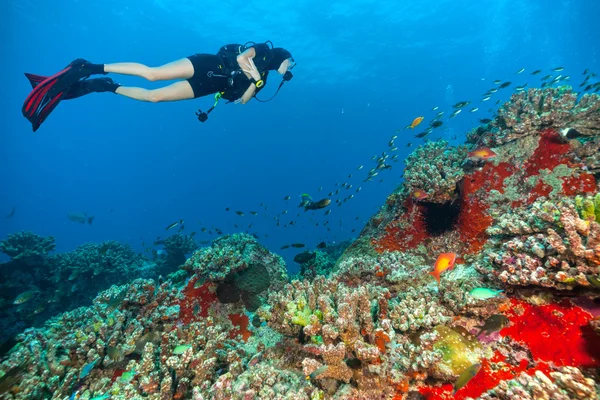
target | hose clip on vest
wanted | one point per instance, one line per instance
(203, 116)
(260, 83)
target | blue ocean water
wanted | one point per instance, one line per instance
(364, 70)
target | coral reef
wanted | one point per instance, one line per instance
(565, 384)
(554, 246)
(515, 316)
(26, 244)
(439, 166)
(177, 247)
(534, 110)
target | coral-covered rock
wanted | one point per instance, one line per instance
(533, 110)
(26, 245)
(434, 169)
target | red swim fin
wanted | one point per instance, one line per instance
(35, 80)
(44, 98)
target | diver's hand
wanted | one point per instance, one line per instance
(250, 69)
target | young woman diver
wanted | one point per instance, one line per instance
(236, 73)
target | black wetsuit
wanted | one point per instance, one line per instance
(221, 73)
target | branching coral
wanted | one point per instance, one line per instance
(435, 168)
(533, 110)
(233, 254)
(340, 324)
(129, 328)
(417, 309)
(560, 249)
(26, 244)
(564, 384)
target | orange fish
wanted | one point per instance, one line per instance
(444, 261)
(482, 153)
(416, 122)
(419, 194)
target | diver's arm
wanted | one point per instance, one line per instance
(245, 62)
(248, 94)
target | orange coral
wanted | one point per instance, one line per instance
(381, 339)
(240, 326)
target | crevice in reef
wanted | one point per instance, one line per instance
(441, 218)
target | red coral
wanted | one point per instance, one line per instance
(584, 183)
(410, 236)
(240, 326)
(196, 299)
(550, 153)
(473, 219)
(555, 332)
(492, 372)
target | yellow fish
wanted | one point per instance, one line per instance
(416, 122)
(444, 261)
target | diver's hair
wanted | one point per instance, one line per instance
(279, 55)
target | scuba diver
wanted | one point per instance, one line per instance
(236, 73)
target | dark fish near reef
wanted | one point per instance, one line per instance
(305, 257)
(321, 245)
(148, 337)
(240, 213)
(116, 301)
(455, 113)
(422, 134)
(298, 245)
(80, 217)
(115, 354)
(461, 104)
(436, 124)
(465, 377)
(173, 225)
(493, 324)
(537, 71)
(317, 205)
(505, 85)
(317, 372)
(594, 281)
(485, 120)
(558, 69)
(24, 297)
(11, 213)
(285, 246)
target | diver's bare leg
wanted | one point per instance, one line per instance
(181, 90)
(180, 69)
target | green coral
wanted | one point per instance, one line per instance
(588, 207)
(301, 312)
